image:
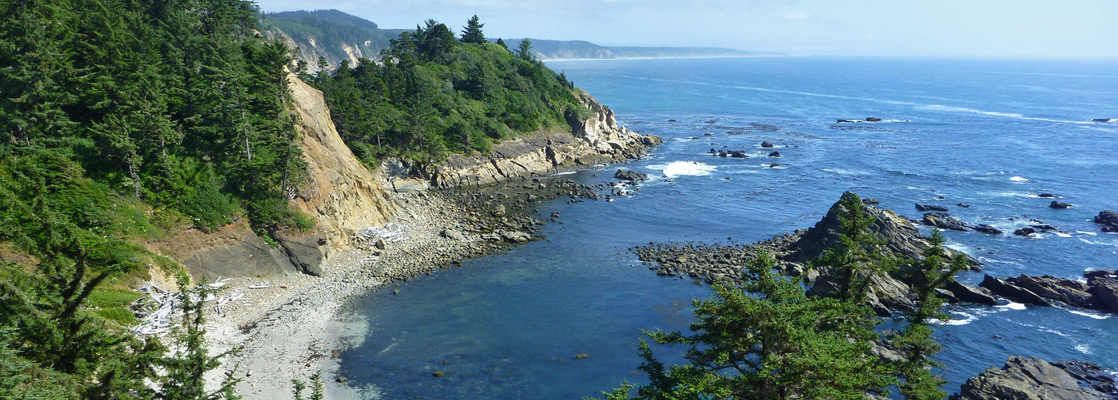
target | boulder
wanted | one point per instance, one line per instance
(1058, 205)
(305, 253)
(1013, 292)
(970, 294)
(774, 154)
(453, 234)
(516, 236)
(1046, 196)
(774, 165)
(1104, 294)
(944, 221)
(628, 175)
(928, 207)
(1108, 220)
(1027, 379)
(766, 144)
(1026, 231)
(987, 229)
(873, 119)
(380, 244)
(738, 154)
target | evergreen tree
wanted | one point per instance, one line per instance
(768, 340)
(472, 32)
(855, 258)
(524, 50)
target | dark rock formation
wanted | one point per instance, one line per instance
(306, 253)
(1090, 375)
(1033, 379)
(873, 119)
(774, 165)
(1058, 205)
(1103, 120)
(1108, 220)
(1026, 231)
(871, 201)
(987, 229)
(774, 154)
(1099, 293)
(845, 121)
(928, 207)
(1046, 196)
(969, 294)
(766, 144)
(628, 175)
(1013, 292)
(738, 154)
(944, 221)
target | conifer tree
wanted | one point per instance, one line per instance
(472, 32)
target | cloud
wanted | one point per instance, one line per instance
(797, 16)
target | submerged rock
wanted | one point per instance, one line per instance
(1026, 231)
(1033, 379)
(774, 154)
(766, 144)
(873, 119)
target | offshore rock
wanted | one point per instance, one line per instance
(926, 207)
(1100, 293)
(1030, 379)
(969, 294)
(1013, 292)
(1058, 205)
(987, 229)
(629, 175)
(1108, 220)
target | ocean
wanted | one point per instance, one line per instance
(561, 318)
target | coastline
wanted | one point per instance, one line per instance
(298, 326)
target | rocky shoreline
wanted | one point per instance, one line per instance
(293, 328)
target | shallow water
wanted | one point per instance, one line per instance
(990, 134)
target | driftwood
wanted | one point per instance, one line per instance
(159, 308)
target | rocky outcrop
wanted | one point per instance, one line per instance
(1108, 220)
(1100, 293)
(232, 250)
(1058, 205)
(630, 175)
(596, 140)
(1035, 379)
(718, 263)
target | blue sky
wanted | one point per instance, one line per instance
(953, 28)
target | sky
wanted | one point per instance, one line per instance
(921, 28)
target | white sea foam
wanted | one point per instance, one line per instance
(1089, 314)
(690, 168)
(563, 173)
(1019, 179)
(1082, 348)
(1086, 233)
(841, 171)
(1012, 306)
(958, 318)
(1061, 234)
(940, 107)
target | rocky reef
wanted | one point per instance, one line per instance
(1099, 293)
(723, 263)
(1035, 379)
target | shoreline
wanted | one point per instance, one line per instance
(298, 326)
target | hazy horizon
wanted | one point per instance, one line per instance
(949, 28)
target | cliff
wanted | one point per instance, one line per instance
(341, 194)
(594, 140)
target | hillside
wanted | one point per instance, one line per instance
(331, 34)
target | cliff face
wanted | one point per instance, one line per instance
(595, 140)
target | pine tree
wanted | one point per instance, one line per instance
(768, 340)
(524, 50)
(472, 32)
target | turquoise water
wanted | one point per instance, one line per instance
(990, 134)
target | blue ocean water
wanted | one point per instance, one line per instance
(989, 134)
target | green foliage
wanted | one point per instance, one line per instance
(524, 50)
(769, 340)
(317, 391)
(915, 340)
(855, 257)
(332, 31)
(187, 366)
(433, 95)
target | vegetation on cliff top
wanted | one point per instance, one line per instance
(432, 94)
